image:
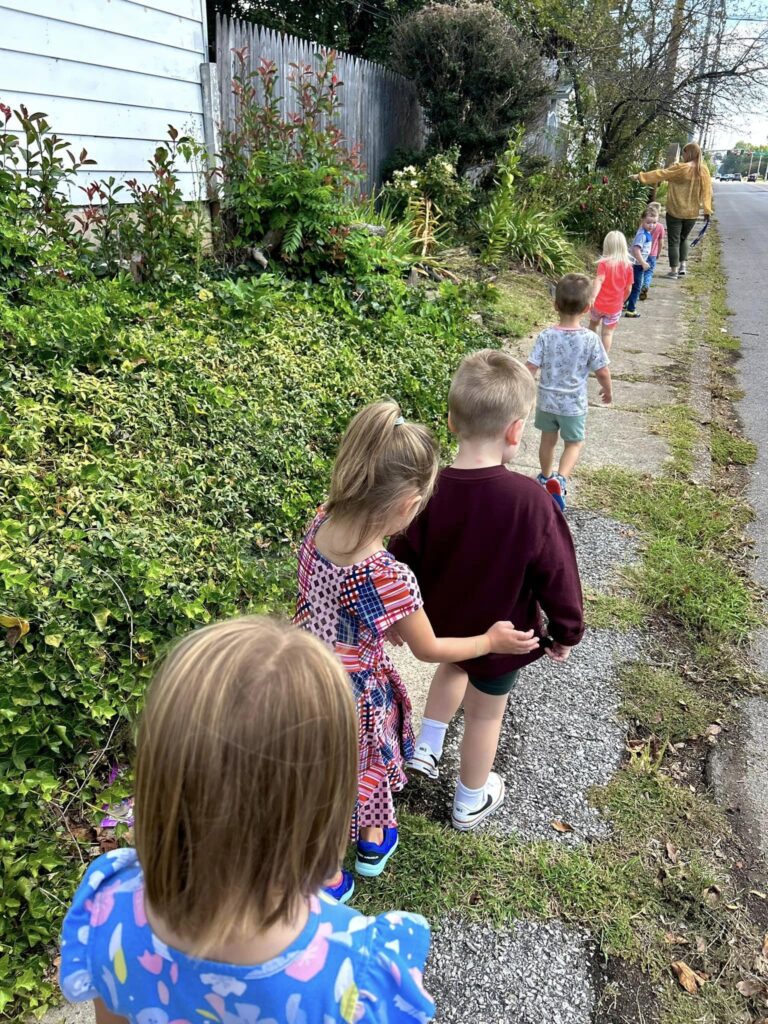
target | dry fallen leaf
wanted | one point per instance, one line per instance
(672, 852)
(712, 894)
(675, 940)
(760, 895)
(562, 826)
(635, 745)
(701, 945)
(690, 980)
(714, 729)
(752, 987)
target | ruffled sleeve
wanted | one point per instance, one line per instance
(397, 591)
(92, 906)
(391, 989)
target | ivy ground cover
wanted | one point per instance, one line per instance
(159, 458)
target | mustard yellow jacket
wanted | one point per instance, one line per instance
(687, 194)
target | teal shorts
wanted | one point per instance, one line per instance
(571, 428)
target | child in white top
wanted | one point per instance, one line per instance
(566, 355)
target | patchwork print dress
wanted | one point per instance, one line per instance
(350, 608)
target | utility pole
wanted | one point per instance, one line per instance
(751, 156)
(698, 111)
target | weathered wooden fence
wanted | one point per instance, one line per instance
(379, 110)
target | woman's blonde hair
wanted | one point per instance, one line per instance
(692, 155)
(246, 778)
(615, 248)
(381, 460)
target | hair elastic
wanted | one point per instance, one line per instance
(399, 422)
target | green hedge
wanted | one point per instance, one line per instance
(159, 459)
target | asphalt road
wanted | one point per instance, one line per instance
(741, 210)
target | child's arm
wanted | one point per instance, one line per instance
(501, 638)
(532, 367)
(599, 280)
(606, 385)
(554, 575)
(639, 256)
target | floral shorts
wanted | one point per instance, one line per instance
(607, 319)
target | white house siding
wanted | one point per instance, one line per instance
(110, 75)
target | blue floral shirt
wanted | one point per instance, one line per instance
(566, 357)
(343, 967)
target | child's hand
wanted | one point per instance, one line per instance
(558, 652)
(394, 637)
(505, 639)
(606, 395)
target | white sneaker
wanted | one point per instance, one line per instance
(465, 818)
(424, 761)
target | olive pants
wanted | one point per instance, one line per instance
(678, 230)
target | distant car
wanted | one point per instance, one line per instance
(736, 177)
(751, 177)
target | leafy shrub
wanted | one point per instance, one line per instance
(161, 488)
(433, 181)
(591, 205)
(160, 233)
(36, 236)
(284, 182)
(514, 229)
(480, 79)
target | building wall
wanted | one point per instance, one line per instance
(110, 75)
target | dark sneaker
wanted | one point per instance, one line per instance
(643, 294)
(555, 488)
(465, 818)
(343, 891)
(372, 857)
(632, 313)
(425, 761)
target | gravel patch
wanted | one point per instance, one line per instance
(603, 547)
(561, 736)
(532, 973)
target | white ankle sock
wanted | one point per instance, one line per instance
(433, 733)
(470, 798)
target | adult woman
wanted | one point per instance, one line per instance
(690, 188)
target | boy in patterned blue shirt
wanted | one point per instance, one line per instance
(566, 355)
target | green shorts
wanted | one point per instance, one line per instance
(498, 687)
(571, 428)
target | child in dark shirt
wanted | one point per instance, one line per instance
(491, 544)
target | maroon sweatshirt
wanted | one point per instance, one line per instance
(493, 545)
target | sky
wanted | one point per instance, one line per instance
(750, 125)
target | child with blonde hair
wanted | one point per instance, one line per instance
(245, 779)
(658, 234)
(352, 590)
(490, 544)
(613, 283)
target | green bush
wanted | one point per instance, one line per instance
(477, 75)
(284, 182)
(514, 229)
(435, 180)
(159, 459)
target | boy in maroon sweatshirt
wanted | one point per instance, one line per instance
(490, 545)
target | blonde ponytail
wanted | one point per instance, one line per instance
(381, 459)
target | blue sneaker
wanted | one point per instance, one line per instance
(343, 891)
(557, 490)
(541, 479)
(372, 857)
